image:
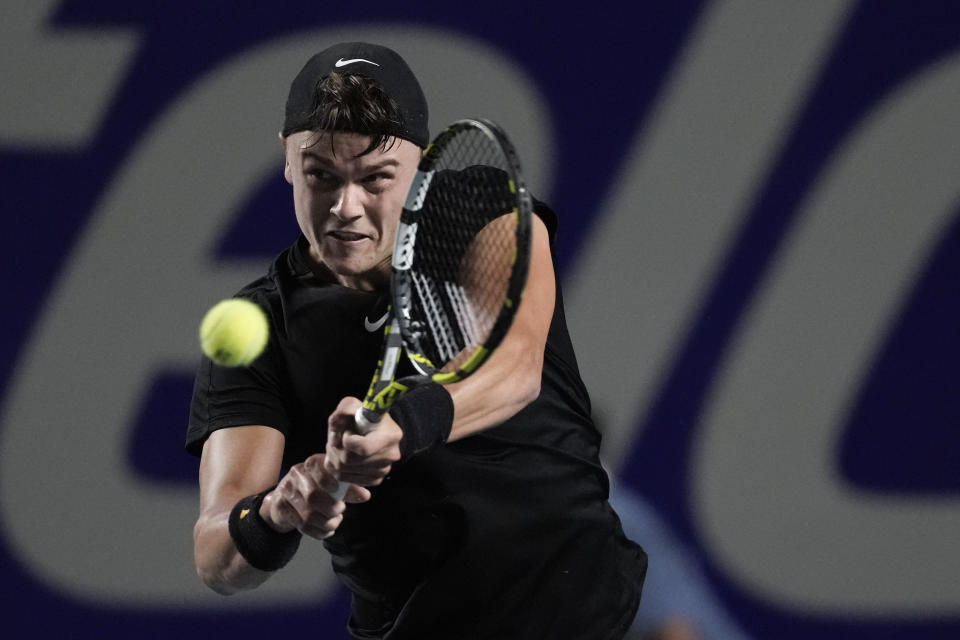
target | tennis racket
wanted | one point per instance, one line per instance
(460, 261)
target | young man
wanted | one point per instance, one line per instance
(477, 510)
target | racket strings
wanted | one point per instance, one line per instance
(465, 251)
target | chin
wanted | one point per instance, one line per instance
(347, 267)
(357, 277)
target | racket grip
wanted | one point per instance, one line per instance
(366, 421)
(341, 490)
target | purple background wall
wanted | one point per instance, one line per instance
(760, 243)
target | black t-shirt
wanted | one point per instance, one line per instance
(503, 534)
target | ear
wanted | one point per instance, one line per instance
(287, 170)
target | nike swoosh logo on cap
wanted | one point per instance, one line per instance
(373, 326)
(342, 63)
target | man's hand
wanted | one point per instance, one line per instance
(363, 460)
(302, 500)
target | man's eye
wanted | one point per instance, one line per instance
(377, 178)
(318, 175)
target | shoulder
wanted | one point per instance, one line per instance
(543, 211)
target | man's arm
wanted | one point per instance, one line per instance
(241, 461)
(510, 379)
(505, 384)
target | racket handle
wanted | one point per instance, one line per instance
(366, 421)
(341, 490)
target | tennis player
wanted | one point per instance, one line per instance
(478, 509)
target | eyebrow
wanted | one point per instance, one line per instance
(387, 162)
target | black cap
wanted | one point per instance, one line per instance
(373, 61)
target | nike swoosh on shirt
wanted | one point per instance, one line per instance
(373, 326)
(342, 63)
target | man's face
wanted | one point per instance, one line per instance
(348, 205)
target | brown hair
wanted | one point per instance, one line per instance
(355, 104)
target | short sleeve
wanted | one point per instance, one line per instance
(237, 396)
(543, 211)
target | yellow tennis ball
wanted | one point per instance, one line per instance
(234, 332)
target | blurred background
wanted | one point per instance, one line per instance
(760, 250)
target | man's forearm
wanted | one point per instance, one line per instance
(218, 563)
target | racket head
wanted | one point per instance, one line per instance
(462, 250)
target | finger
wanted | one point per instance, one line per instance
(321, 468)
(376, 459)
(334, 436)
(337, 425)
(333, 463)
(292, 501)
(383, 440)
(366, 478)
(318, 466)
(369, 446)
(282, 515)
(360, 445)
(341, 420)
(319, 527)
(368, 466)
(335, 456)
(315, 485)
(364, 475)
(357, 494)
(303, 496)
(348, 406)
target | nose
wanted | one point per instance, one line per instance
(348, 205)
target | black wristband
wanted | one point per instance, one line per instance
(425, 415)
(262, 546)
